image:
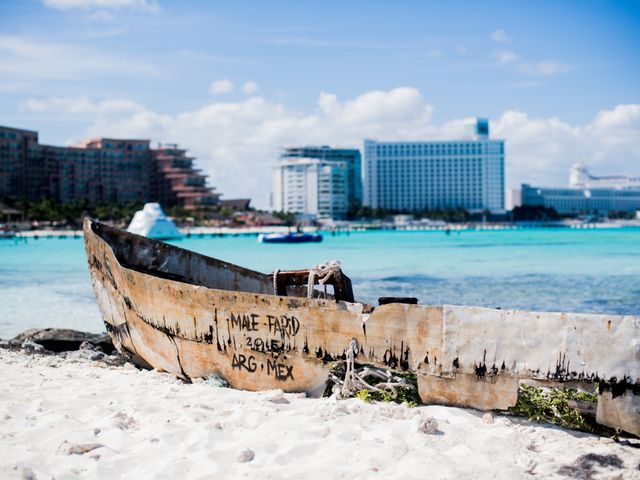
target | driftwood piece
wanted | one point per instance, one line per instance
(619, 410)
(586, 408)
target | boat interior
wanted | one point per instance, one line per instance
(164, 260)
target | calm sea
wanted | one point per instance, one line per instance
(45, 282)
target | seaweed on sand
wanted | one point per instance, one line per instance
(557, 406)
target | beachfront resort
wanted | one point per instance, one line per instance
(306, 338)
(275, 241)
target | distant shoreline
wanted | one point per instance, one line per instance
(353, 227)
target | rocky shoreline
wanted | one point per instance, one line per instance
(66, 343)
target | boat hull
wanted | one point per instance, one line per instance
(231, 325)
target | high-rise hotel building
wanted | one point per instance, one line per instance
(312, 186)
(416, 176)
(349, 156)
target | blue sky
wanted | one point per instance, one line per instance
(560, 81)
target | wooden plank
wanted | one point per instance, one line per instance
(619, 410)
(487, 393)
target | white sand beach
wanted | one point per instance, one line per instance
(76, 418)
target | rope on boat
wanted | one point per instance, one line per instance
(323, 273)
(354, 380)
(275, 281)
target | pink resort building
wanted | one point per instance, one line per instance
(100, 170)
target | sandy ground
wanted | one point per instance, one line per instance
(69, 419)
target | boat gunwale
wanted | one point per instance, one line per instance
(168, 276)
(96, 225)
(268, 276)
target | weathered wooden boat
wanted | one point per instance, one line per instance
(194, 316)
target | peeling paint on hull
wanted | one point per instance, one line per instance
(194, 316)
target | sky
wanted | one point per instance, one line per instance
(235, 81)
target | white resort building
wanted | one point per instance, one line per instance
(311, 186)
(587, 194)
(352, 158)
(414, 176)
(579, 177)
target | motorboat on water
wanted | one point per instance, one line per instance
(152, 222)
(295, 237)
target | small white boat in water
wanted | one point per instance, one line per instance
(152, 222)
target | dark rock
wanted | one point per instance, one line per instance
(590, 465)
(61, 340)
(86, 354)
(32, 347)
(89, 346)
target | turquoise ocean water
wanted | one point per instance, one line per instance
(45, 282)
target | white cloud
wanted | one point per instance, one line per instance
(143, 5)
(618, 128)
(324, 42)
(81, 105)
(221, 86)
(27, 59)
(618, 119)
(15, 87)
(500, 36)
(237, 142)
(526, 84)
(507, 57)
(540, 150)
(250, 87)
(545, 68)
(102, 16)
